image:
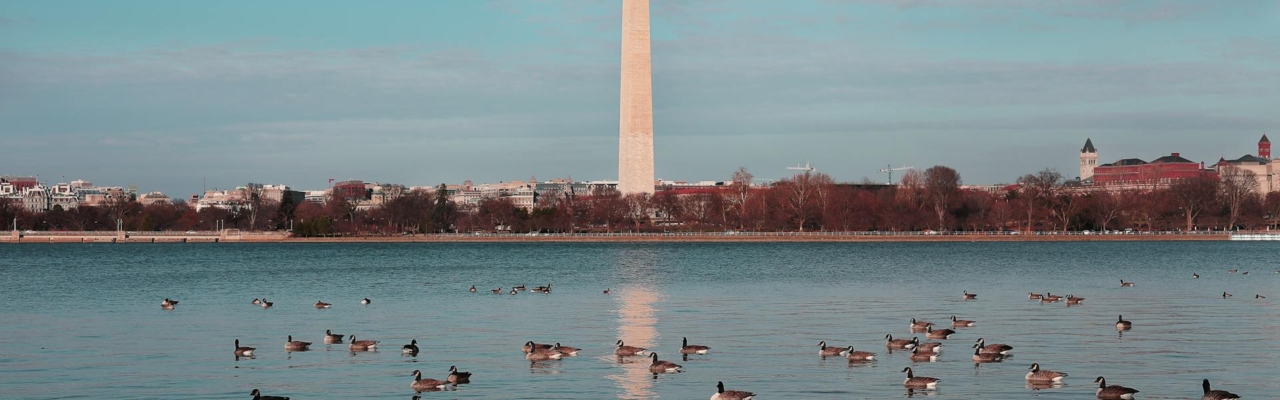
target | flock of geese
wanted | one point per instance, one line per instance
(983, 352)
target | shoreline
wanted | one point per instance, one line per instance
(806, 237)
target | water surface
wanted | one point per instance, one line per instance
(83, 320)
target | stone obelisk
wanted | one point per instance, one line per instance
(635, 122)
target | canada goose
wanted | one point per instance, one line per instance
(994, 348)
(422, 385)
(858, 355)
(1258, 296)
(1050, 298)
(497, 291)
(1034, 296)
(537, 353)
(627, 351)
(266, 304)
(521, 287)
(366, 301)
(473, 288)
(1195, 276)
(258, 396)
(1123, 325)
(362, 345)
(542, 289)
(1233, 270)
(1226, 295)
(829, 351)
(513, 291)
(332, 338)
(606, 291)
(1074, 300)
(1217, 394)
(243, 351)
(256, 302)
(531, 346)
(168, 304)
(722, 394)
(1113, 391)
(892, 343)
(566, 350)
(662, 367)
(930, 347)
(292, 345)
(921, 325)
(457, 377)
(1125, 284)
(1039, 375)
(970, 296)
(1245, 273)
(923, 356)
(686, 348)
(939, 333)
(960, 322)
(411, 348)
(919, 382)
(979, 356)
(321, 304)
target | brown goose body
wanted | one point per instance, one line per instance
(362, 345)
(266, 304)
(296, 345)
(427, 384)
(994, 348)
(929, 347)
(657, 366)
(1073, 300)
(332, 338)
(1113, 392)
(1050, 298)
(722, 394)
(1044, 376)
(458, 377)
(939, 333)
(686, 348)
(923, 356)
(1034, 296)
(566, 350)
(1123, 325)
(829, 351)
(496, 291)
(168, 304)
(540, 354)
(1125, 284)
(919, 325)
(970, 296)
(258, 396)
(960, 323)
(244, 351)
(892, 343)
(321, 304)
(858, 355)
(979, 356)
(411, 348)
(919, 382)
(627, 351)
(530, 346)
(473, 289)
(1216, 394)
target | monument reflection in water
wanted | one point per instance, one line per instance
(636, 320)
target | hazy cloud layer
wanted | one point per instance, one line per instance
(847, 85)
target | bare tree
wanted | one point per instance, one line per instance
(1110, 206)
(117, 205)
(942, 186)
(1237, 186)
(639, 208)
(1039, 190)
(1193, 195)
(741, 193)
(253, 203)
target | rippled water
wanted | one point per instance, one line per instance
(84, 320)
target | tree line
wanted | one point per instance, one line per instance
(933, 199)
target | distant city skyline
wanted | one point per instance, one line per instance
(164, 95)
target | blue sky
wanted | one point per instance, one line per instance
(164, 94)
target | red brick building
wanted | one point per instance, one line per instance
(1133, 172)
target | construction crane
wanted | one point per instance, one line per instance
(806, 168)
(888, 169)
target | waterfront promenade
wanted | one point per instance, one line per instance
(237, 236)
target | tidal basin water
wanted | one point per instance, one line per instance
(84, 320)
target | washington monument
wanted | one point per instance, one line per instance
(635, 122)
